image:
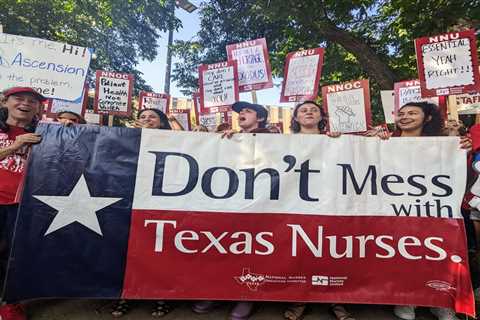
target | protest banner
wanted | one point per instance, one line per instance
(447, 63)
(183, 117)
(409, 91)
(56, 70)
(151, 100)
(254, 71)
(348, 106)
(218, 86)
(303, 70)
(78, 106)
(113, 93)
(388, 102)
(468, 103)
(284, 217)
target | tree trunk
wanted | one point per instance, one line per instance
(366, 56)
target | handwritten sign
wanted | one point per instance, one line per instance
(254, 71)
(183, 117)
(468, 103)
(410, 91)
(208, 120)
(78, 106)
(93, 118)
(447, 63)
(151, 100)
(348, 106)
(218, 86)
(113, 93)
(56, 70)
(302, 75)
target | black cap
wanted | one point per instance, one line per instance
(259, 109)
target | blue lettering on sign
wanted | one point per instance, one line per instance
(24, 62)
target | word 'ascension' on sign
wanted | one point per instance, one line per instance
(265, 209)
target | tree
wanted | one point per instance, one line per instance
(120, 32)
(363, 38)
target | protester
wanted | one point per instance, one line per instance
(150, 119)
(417, 119)
(18, 119)
(310, 118)
(252, 118)
(200, 128)
(69, 118)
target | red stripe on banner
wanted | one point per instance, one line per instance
(297, 257)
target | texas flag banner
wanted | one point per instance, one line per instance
(156, 214)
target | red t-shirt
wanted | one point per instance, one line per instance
(11, 167)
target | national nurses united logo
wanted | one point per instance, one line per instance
(251, 280)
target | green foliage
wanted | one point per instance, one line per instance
(121, 32)
(363, 38)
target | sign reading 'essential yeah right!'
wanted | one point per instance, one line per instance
(448, 63)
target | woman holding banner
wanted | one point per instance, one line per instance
(150, 119)
(18, 119)
(310, 118)
(420, 119)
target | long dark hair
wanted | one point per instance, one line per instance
(434, 126)
(164, 124)
(5, 127)
(295, 126)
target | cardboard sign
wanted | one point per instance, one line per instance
(151, 100)
(208, 120)
(447, 63)
(113, 93)
(254, 71)
(409, 91)
(388, 103)
(183, 117)
(218, 86)
(468, 103)
(302, 75)
(348, 106)
(56, 70)
(78, 106)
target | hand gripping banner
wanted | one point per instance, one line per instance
(155, 214)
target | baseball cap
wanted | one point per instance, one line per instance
(15, 90)
(259, 109)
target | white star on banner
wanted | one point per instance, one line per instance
(79, 207)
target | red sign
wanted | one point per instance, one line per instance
(448, 64)
(183, 117)
(152, 100)
(303, 70)
(348, 106)
(218, 86)
(254, 71)
(79, 107)
(113, 93)
(409, 91)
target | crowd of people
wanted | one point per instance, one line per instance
(19, 115)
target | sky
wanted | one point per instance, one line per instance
(154, 72)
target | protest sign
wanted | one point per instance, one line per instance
(468, 103)
(388, 97)
(448, 63)
(93, 118)
(302, 75)
(409, 91)
(183, 117)
(113, 93)
(218, 86)
(78, 106)
(151, 100)
(254, 71)
(348, 106)
(208, 120)
(56, 70)
(284, 217)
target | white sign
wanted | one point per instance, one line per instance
(56, 70)
(218, 85)
(347, 111)
(208, 120)
(468, 103)
(413, 94)
(388, 103)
